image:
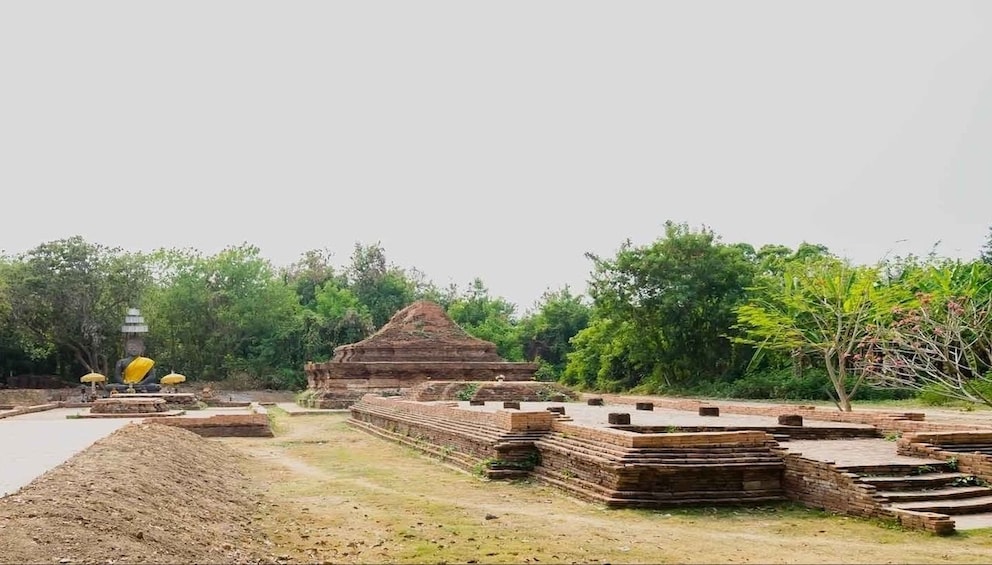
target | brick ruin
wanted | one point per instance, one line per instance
(649, 467)
(615, 467)
(419, 344)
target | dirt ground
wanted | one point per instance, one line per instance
(321, 492)
(144, 494)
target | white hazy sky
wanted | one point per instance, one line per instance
(496, 139)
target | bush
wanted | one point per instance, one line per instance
(783, 384)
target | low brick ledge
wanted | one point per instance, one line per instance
(30, 409)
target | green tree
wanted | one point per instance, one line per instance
(940, 342)
(673, 303)
(68, 298)
(381, 287)
(230, 313)
(822, 307)
(489, 318)
(546, 333)
(347, 318)
(608, 355)
(310, 272)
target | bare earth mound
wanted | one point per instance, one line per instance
(145, 494)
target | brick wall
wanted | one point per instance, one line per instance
(225, 425)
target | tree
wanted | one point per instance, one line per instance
(68, 298)
(340, 311)
(674, 299)
(382, 288)
(942, 341)
(309, 273)
(224, 314)
(489, 318)
(822, 306)
(546, 333)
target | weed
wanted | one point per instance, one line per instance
(468, 392)
(952, 464)
(893, 436)
(969, 481)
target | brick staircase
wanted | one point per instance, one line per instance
(621, 476)
(934, 487)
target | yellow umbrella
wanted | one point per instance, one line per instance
(93, 378)
(173, 379)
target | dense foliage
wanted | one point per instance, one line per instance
(684, 314)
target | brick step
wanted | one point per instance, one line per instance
(984, 449)
(700, 495)
(626, 456)
(612, 498)
(580, 445)
(912, 482)
(948, 493)
(677, 460)
(715, 452)
(951, 507)
(896, 469)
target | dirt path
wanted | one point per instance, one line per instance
(337, 495)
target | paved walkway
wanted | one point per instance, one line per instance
(35, 443)
(294, 409)
(854, 452)
(598, 416)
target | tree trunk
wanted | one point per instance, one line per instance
(837, 374)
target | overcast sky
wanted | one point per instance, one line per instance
(496, 139)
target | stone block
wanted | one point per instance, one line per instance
(556, 409)
(595, 402)
(476, 402)
(619, 418)
(644, 405)
(790, 420)
(709, 410)
(511, 404)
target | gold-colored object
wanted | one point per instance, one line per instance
(93, 378)
(173, 379)
(137, 369)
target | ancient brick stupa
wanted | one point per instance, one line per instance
(420, 343)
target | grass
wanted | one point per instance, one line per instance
(336, 494)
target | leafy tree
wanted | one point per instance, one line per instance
(488, 318)
(224, 314)
(941, 342)
(674, 300)
(822, 307)
(608, 355)
(382, 288)
(545, 334)
(347, 318)
(309, 273)
(69, 297)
